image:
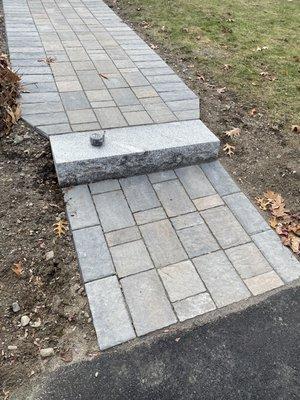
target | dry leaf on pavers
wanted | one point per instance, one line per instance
(296, 128)
(17, 268)
(103, 76)
(60, 227)
(285, 224)
(229, 149)
(233, 132)
(48, 60)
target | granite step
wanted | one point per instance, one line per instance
(131, 151)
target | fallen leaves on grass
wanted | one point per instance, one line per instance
(285, 223)
(229, 149)
(200, 77)
(267, 76)
(221, 90)
(296, 128)
(10, 90)
(258, 48)
(60, 227)
(17, 268)
(233, 132)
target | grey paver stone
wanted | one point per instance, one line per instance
(98, 95)
(80, 207)
(74, 100)
(181, 280)
(42, 108)
(212, 201)
(69, 86)
(81, 116)
(107, 185)
(248, 260)
(161, 176)
(195, 182)
(197, 240)
(123, 236)
(144, 91)
(139, 193)
(137, 118)
(163, 243)
(219, 178)
(280, 258)
(225, 227)
(113, 211)
(131, 258)
(193, 306)
(263, 283)
(186, 220)
(90, 80)
(124, 97)
(110, 117)
(86, 126)
(152, 215)
(246, 213)
(173, 198)
(110, 317)
(46, 118)
(221, 279)
(148, 304)
(92, 252)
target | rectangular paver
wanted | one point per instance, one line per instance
(195, 182)
(163, 243)
(110, 316)
(148, 304)
(123, 236)
(186, 220)
(221, 279)
(113, 211)
(225, 227)
(263, 283)
(219, 178)
(152, 215)
(194, 306)
(197, 240)
(92, 252)
(203, 203)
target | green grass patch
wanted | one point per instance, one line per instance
(212, 33)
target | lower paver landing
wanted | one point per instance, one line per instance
(161, 234)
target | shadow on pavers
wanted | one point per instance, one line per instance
(252, 354)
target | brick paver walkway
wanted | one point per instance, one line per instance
(157, 248)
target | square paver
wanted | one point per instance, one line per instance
(212, 201)
(197, 240)
(110, 117)
(225, 227)
(98, 95)
(173, 198)
(163, 243)
(139, 193)
(92, 252)
(263, 283)
(113, 211)
(131, 258)
(195, 182)
(148, 304)
(248, 260)
(110, 317)
(194, 306)
(181, 280)
(221, 279)
(75, 101)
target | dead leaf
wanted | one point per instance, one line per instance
(295, 244)
(18, 269)
(296, 128)
(262, 203)
(229, 149)
(103, 76)
(66, 356)
(60, 227)
(200, 77)
(253, 112)
(48, 60)
(221, 90)
(227, 67)
(273, 222)
(233, 132)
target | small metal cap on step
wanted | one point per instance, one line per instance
(97, 138)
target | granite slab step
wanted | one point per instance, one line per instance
(132, 150)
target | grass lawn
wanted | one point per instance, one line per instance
(259, 40)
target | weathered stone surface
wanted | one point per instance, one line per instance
(193, 306)
(225, 227)
(186, 220)
(139, 193)
(248, 260)
(92, 252)
(197, 240)
(195, 182)
(219, 178)
(221, 279)
(104, 186)
(80, 208)
(144, 217)
(246, 213)
(147, 302)
(123, 236)
(263, 283)
(204, 203)
(132, 150)
(173, 198)
(131, 258)
(163, 243)
(162, 176)
(113, 211)
(280, 258)
(110, 317)
(181, 280)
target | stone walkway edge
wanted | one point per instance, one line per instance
(169, 246)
